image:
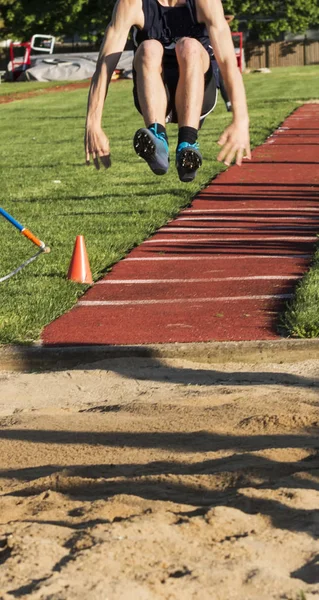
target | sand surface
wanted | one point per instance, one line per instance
(143, 479)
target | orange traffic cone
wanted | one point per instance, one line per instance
(79, 269)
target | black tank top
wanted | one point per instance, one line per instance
(167, 24)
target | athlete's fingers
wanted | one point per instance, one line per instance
(104, 156)
(230, 156)
(223, 139)
(248, 152)
(96, 161)
(102, 151)
(223, 153)
(239, 156)
(86, 148)
(105, 160)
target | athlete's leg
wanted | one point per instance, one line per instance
(193, 61)
(150, 142)
(150, 87)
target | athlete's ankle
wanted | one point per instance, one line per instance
(159, 129)
(187, 134)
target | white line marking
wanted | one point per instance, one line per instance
(246, 210)
(233, 239)
(180, 300)
(223, 257)
(208, 280)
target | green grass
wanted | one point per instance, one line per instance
(41, 142)
(16, 88)
(301, 318)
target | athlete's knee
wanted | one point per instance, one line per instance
(190, 53)
(188, 49)
(149, 54)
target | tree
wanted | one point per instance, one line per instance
(23, 18)
(271, 18)
(4, 4)
(268, 19)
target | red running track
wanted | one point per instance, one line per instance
(224, 268)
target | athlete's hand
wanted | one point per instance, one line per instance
(235, 143)
(97, 144)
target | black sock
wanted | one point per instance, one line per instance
(159, 128)
(187, 134)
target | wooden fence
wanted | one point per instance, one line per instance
(281, 54)
(257, 54)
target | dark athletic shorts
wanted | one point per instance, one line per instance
(170, 77)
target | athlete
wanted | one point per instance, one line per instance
(177, 43)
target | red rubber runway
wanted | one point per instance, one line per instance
(225, 267)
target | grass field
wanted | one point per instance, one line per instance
(46, 186)
(14, 89)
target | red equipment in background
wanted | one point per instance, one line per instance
(20, 64)
(38, 42)
(239, 50)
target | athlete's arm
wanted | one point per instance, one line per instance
(235, 139)
(126, 14)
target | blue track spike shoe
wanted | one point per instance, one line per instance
(188, 160)
(153, 147)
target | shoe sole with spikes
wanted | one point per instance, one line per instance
(152, 150)
(188, 162)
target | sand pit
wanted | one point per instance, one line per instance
(143, 479)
